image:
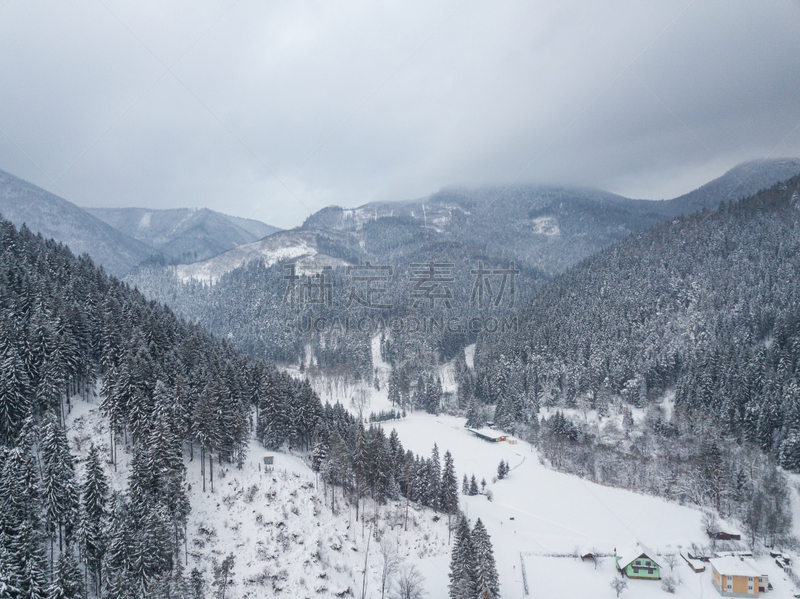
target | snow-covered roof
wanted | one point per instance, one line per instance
(733, 566)
(629, 554)
(487, 432)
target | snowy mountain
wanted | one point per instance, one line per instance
(739, 182)
(548, 228)
(184, 234)
(308, 246)
(52, 216)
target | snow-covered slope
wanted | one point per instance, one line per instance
(540, 517)
(279, 525)
(739, 182)
(186, 234)
(52, 216)
(301, 246)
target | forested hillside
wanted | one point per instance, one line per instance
(43, 212)
(167, 387)
(171, 394)
(705, 306)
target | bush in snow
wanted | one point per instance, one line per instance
(670, 582)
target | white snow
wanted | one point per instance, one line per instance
(145, 220)
(469, 355)
(278, 523)
(545, 225)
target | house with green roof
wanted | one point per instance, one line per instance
(638, 562)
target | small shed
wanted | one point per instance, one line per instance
(696, 565)
(268, 460)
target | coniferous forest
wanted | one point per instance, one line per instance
(175, 397)
(704, 307)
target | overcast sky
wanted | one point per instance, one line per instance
(274, 109)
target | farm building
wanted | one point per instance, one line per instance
(724, 536)
(488, 434)
(695, 564)
(734, 577)
(638, 562)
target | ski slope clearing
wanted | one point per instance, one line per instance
(537, 514)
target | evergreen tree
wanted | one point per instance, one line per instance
(462, 563)
(197, 584)
(449, 487)
(60, 492)
(223, 574)
(94, 512)
(67, 579)
(502, 470)
(29, 559)
(473, 486)
(465, 485)
(487, 585)
(433, 486)
(14, 389)
(475, 418)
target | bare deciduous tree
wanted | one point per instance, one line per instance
(410, 584)
(391, 563)
(671, 560)
(619, 585)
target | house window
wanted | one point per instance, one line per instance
(647, 563)
(638, 562)
(649, 570)
(635, 570)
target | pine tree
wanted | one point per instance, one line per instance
(487, 585)
(449, 486)
(474, 415)
(94, 513)
(27, 553)
(462, 561)
(60, 492)
(223, 572)
(465, 485)
(14, 390)
(502, 469)
(9, 573)
(197, 584)
(67, 579)
(433, 489)
(473, 486)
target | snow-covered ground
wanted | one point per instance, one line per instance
(278, 523)
(537, 513)
(287, 542)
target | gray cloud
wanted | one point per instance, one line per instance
(355, 101)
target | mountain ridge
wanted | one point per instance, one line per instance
(52, 216)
